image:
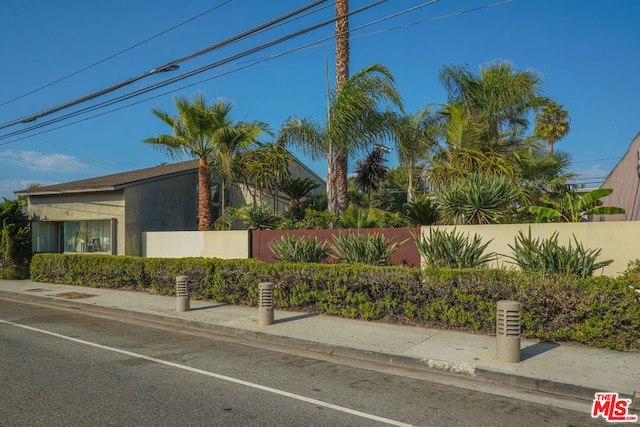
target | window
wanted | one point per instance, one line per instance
(87, 236)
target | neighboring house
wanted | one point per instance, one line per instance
(624, 179)
(108, 214)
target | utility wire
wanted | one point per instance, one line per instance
(172, 80)
(119, 99)
(116, 54)
(170, 66)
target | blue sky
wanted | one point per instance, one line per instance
(586, 52)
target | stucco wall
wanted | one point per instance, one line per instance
(619, 241)
(625, 182)
(168, 204)
(77, 207)
(209, 244)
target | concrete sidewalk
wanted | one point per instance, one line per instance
(575, 371)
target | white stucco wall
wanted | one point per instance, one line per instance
(208, 244)
(619, 241)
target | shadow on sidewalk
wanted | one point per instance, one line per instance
(209, 307)
(290, 319)
(536, 349)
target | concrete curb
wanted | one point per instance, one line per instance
(407, 362)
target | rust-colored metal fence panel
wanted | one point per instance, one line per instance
(407, 254)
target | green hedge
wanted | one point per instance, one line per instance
(600, 311)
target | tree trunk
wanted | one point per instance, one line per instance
(342, 44)
(205, 214)
(332, 204)
(342, 75)
(411, 193)
(342, 184)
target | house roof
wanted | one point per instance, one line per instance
(115, 181)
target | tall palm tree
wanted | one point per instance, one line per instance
(208, 133)
(416, 136)
(354, 122)
(340, 155)
(552, 124)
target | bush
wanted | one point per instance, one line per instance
(452, 250)
(547, 257)
(597, 311)
(299, 249)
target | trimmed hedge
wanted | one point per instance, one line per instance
(601, 311)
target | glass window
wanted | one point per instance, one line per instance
(87, 236)
(44, 236)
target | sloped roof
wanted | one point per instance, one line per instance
(115, 181)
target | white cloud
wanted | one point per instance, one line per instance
(41, 162)
(8, 186)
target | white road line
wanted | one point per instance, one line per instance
(218, 376)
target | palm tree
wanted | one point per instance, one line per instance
(496, 101)
(552, 124)
(354, 122)
(296, 189)
(416, 136)
(265, 168)
(371, 171)
(205, 132)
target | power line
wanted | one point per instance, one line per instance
(170, 66)
(219, 63)
(116, 54)
(172, 80)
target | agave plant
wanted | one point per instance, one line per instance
(299, 249)
(442, 249)
(546, 256)
(372, 249)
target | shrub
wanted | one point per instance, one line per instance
(597, 311)
(316, 220)
(299, 249)
(452, 250)
(547, 257)
(372, 249)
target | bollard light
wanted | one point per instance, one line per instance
(182, 293)
(265, 306)
(508, 332)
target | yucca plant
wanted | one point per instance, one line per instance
(422, 211)
(258, 217)
(299, 249)
(355, 217)
(477, 199)
(546, 256)
(442, 249)
(372, 249)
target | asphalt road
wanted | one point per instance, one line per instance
(66, 367)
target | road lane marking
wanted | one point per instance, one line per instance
(218, 376)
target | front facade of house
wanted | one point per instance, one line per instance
(108, 214)
(624, 179)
